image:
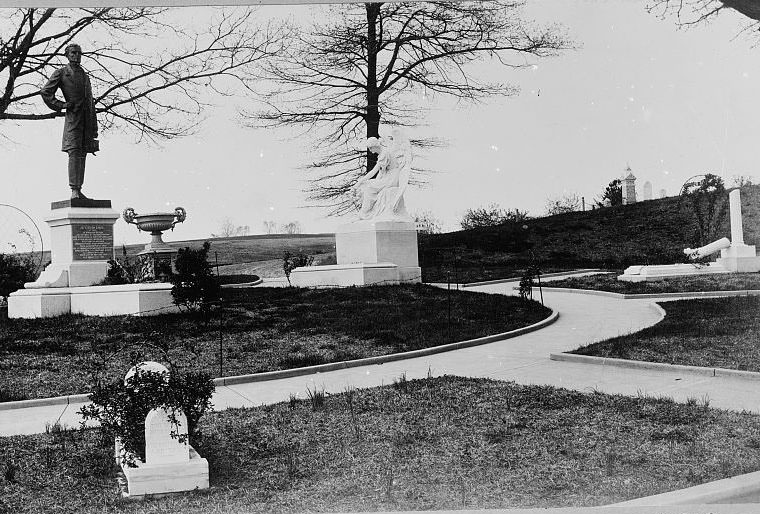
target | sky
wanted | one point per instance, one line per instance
(639, 92)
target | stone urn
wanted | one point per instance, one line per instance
(155, 223)
(156, 257)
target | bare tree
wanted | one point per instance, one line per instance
(270, 226)
(563, 204)
(229, 229)
(692, 12)
(372, 63)
(293, 227)
(160, 93)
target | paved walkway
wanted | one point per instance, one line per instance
(525, 359)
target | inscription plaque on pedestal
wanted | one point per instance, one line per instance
(92, 242)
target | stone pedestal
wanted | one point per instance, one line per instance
(740, 258)
(82, 243)
(367, 252)
(81, 235)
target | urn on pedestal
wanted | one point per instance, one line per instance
(156, 257)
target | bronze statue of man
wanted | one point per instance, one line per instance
(80, 131)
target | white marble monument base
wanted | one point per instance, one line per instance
(740, 258)
(359, 274)
(166, 478)
(81, 244)
(132, 299)
(374, 241)
(368, 252)
(663, 271)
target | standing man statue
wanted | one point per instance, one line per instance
(80, 131)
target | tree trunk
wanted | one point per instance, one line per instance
(372, 118)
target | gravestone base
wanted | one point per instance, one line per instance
(740, 258)
(359, 274)
(161, 479)
(660, 272)
(367, 252)
(130, 299)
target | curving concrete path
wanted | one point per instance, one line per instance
(583, 319)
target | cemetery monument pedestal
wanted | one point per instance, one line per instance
(381, 247)
(82, 244)
(367, 252)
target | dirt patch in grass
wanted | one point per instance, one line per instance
(261, 329)
(712, 332)
(444, 443)
(609, 282)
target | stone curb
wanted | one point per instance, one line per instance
(735, 490)
(321, 368)
(243, 284)
(517, 279)
(649, 296)
(659, 366)
(42, 402)
(381, 359)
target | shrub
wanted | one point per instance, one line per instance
(15, 270)
(292, 261)
(491, 216)
(120, 408)
(527, 283)
(195, 286)
(707, 199)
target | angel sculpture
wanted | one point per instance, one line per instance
(382, 188)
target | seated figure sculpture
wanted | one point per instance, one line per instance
(382, 188)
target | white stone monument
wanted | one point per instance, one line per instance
(735, 255)
(380, 247)
(171, 465)
(629, 187)
(647, 190)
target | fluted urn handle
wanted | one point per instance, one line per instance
(129, 215)
(179, 216)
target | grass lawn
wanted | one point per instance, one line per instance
(609, 282)
(711, 332)
(261, 329)
(442, 443)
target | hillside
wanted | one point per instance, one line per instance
(654, 231)
(649, 232)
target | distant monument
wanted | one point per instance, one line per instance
(80, 130)
(629, 187)
(735, 255)
(663, 193)
(647, 190)
(381, 247)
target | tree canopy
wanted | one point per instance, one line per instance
(159, 91)
(363, 65)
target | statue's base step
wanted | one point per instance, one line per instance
(133, 299)
(663, 271)
(358, 274)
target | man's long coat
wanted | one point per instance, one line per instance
(81, 127)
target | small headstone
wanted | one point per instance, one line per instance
(160, 446)
(663, 193)
(647, 190)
